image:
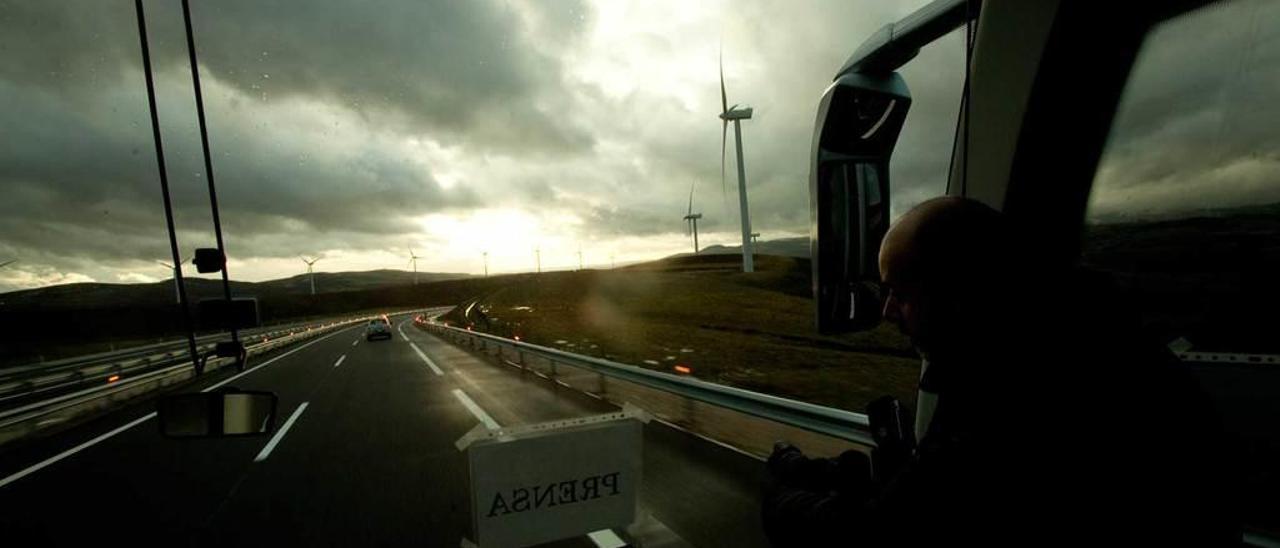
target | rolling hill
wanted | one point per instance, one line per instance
(782, 247)
(95, 295)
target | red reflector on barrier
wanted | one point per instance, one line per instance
(684, 370)
(113, 378)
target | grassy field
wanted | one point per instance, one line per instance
(753, 331)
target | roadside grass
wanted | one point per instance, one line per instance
(753, 331)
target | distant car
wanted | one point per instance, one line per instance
(377, 329)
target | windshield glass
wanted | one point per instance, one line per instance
(552, 218)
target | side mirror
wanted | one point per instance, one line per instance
(224, 413)
(208, 260)
(859, 119)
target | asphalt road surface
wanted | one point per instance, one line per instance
(363, 454)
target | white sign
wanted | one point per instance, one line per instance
(554, 481)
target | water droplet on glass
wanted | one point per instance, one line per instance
(266, 76)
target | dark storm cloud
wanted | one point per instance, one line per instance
(334, 123)
(458, 70)
(1196, 126)
(78, 169)
(102, 201)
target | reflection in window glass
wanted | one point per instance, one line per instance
(922, 159)
(1185, 213)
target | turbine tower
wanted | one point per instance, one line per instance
(736, 115)
(579, 258)
(311, 271)
(413, 260)
(691, 220)
(486, 264)
(537, 253)
(174, 270)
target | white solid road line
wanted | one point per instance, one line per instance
(355, 342)
(424, 357)
(268, 362)
(339, 362)
(46, 462)
(606, 538)
(266, 451)
(471, 406)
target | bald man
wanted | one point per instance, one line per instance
(1054, 422)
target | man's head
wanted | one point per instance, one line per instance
(946, 266)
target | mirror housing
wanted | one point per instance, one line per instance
(859, 119)
(218, 414)
(208, 260)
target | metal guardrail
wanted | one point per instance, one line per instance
(181, 365)
(12, 374)
(1227, 357)
(836, 423)
(844, 425)
(24, 383)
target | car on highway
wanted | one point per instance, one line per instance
(378, 328)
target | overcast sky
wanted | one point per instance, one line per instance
(358, 129)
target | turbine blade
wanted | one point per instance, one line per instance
(724, 97)
(691, 185)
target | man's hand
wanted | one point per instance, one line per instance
(806, 499)
(789, 465)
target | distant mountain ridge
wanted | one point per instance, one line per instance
(783, 247)
(122, 294)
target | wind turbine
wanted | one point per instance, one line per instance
(736, 115)
(579, 258)
(486, 264)
(537, 253)
(413, 259)
(8, 262)
(311, 271)
(691, 220)
(176, 291)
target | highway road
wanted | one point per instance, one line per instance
(363, 455)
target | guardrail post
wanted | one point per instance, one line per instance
(553, 367)
(603, 385)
